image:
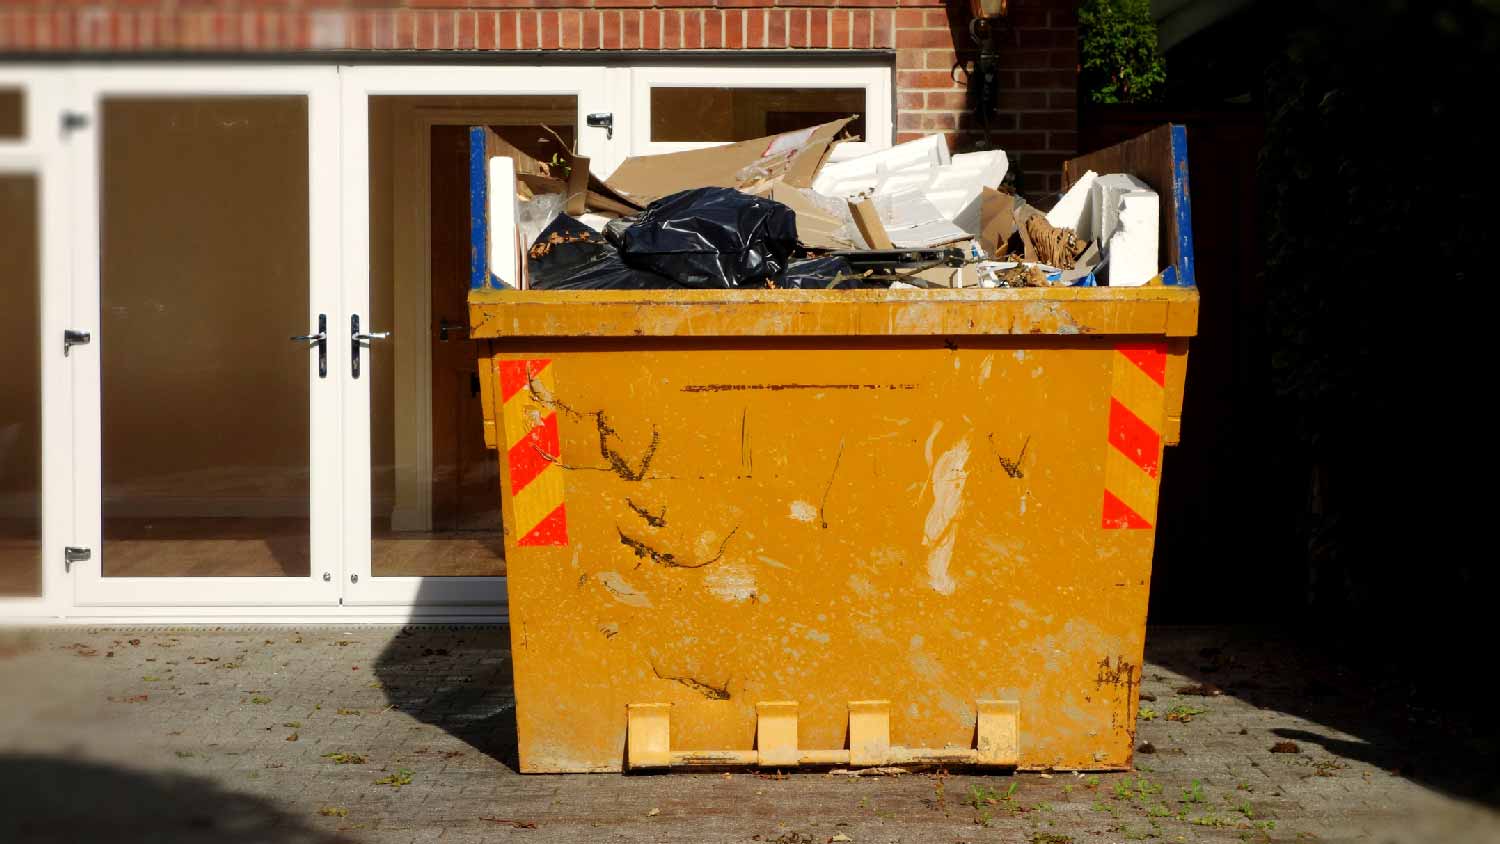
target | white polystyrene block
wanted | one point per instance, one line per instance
(987, 166)
(1072, 211)
(1133, 248)
(505, 252)
(922, 154)
(1105, 202)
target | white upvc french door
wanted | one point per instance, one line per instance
(36, 459)
(205, 230)
(383, 570)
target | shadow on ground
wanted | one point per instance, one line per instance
(458, 679)
(46, 799)
(1406, 716)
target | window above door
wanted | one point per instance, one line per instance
(676, 108)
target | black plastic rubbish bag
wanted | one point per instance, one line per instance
(817, 273)
(569, 255)
(713, 238)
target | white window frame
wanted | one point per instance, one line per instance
(40, 153)
(874, 79)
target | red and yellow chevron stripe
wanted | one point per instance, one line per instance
(1132, 463)
(532, 452)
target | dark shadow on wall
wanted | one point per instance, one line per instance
(47, 799)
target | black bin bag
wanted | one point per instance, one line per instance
(569, 255)
(712, 238)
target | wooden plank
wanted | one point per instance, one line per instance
(1158, 158)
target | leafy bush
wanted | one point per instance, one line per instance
(1122, 62)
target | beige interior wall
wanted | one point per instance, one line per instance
(204, 277)
(20, 358)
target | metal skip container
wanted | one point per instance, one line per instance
(869, 527)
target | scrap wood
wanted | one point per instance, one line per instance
(1057, 247)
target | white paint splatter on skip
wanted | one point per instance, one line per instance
(803, 511)
(1021, 355)
(939, 532)
(734, 584)
(622, 591)
(818, 636)
(777, 564)
(984, 368)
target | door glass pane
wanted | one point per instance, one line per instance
(20, 390)
(203, 277)
(12, 114)
(740, 114)
(435, 486)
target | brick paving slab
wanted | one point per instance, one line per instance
(229, 735)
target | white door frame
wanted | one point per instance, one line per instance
(874, 79)
(209, 596)
(40, 153)
(359, 83)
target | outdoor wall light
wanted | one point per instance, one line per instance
(984, 86)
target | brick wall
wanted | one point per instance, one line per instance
(1038, 80)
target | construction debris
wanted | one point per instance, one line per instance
(781, 212)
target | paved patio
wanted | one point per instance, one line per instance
(386, 735)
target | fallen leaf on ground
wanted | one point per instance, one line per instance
(653, 813)
(1285, 747)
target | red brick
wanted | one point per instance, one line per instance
(796, 28)
(591, 27)
(884, 34)
(776, 28)
(940, 121)
(684, 3)
(1020, 140)
(631, 4)
(910, 101)
(938, 18)
(571, 37)
(406, 30)
(907, 80)
(486, 30)
(1065, 79)
(1064, 120)
(742, 4)
(911, 19)
(692, 29)
(1024, 18)
(551, 29)
(952, 100)
(904, 137)
(838, 21)
(467, 36)
(866, 3)
(1064, 141)
(908, 38)
(914, 59)
(650, 30)
(1063, 99)
(671, 29)
(755, 28)
(713, 29)
(817, 28)
(941, 59)
(734, 29)
(860, 39)
(611, 28)
(530, 35)
(630, 30)
(509, 33)
(445, 29)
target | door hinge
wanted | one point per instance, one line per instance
(73, 337)
(73, 554)
(72, 121)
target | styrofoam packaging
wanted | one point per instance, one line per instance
(1105, 202)
(1133, 248)
(924, 153)
(1072, 211)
